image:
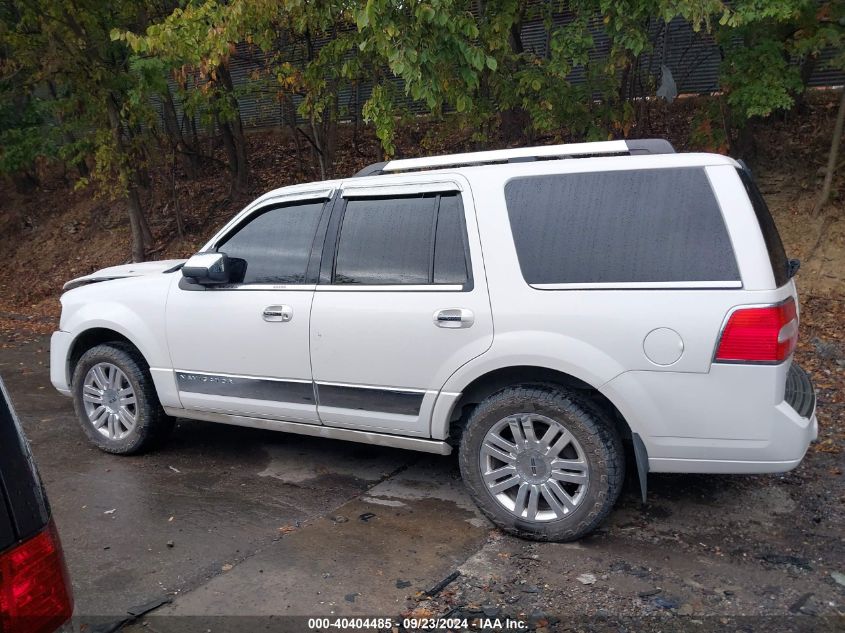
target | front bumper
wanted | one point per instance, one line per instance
(60, 344)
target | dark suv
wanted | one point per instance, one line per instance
(35, 593)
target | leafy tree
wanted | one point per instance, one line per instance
(78, 77)
(66, 44)
(200, 38)
(469, 56)
(823, 27)
(25, 137)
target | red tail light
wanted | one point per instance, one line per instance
(35, 593)
(759, 335)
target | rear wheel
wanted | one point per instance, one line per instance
(116, 402)
(542, 463)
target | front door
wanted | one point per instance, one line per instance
(402, 303)
(243, 348)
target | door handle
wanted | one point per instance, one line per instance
(454, 318)
(278, 313)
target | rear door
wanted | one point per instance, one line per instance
(401, 304)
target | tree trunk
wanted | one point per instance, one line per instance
(233, 134)
(137, 223)
(318, 147)
(187, 154)
(289, 114)
(824, 196)
(141, 235)
(515, 121)
(67, 135)
(177, 211)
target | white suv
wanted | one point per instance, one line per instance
(542, 310)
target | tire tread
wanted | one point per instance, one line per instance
(153, 425)
(607, 449)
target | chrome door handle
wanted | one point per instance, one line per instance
(278, 313)
(454, 318)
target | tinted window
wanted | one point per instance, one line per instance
(654, 225)
(450, 262)
(392, 241)
(774, 245)
(276, 244)
(385, 241)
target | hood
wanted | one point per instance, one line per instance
(127, 270)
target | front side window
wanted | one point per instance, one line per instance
(409, 240)
(274, 246)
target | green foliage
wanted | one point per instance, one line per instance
(458, 56)
(63, 47)
(760, 80)
(26, 134)
(380, 111)
(432, 46)
(708, 133)
(821, 27)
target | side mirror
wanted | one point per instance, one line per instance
(207, 269)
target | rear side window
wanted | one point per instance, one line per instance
(774, 245)
(411, 240)
(450, 261)
(637, 226)
(275, 245)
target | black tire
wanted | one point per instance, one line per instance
(589, 425)
(152, 424)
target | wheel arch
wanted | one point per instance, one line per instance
(485, 385)
(92, 337)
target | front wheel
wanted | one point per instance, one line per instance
(116, 402)
(542, 463)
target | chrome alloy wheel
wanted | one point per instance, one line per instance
(534, 467)
(109, 401)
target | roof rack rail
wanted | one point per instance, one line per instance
(371, 170)
(523, 154)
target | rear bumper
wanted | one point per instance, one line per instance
(734, 419)
(60, 344)
(808, 430)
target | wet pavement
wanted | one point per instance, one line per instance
(232, 521)
(138, 528)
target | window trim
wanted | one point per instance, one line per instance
(713, 284)
(311, 267)
(322, 193)
(643, 285)
(332, 239)
(392, 190)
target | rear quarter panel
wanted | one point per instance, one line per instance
(598, 335)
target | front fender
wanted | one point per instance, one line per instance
(132, 307)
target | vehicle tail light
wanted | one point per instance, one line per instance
(35, 594)
(765, 334)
